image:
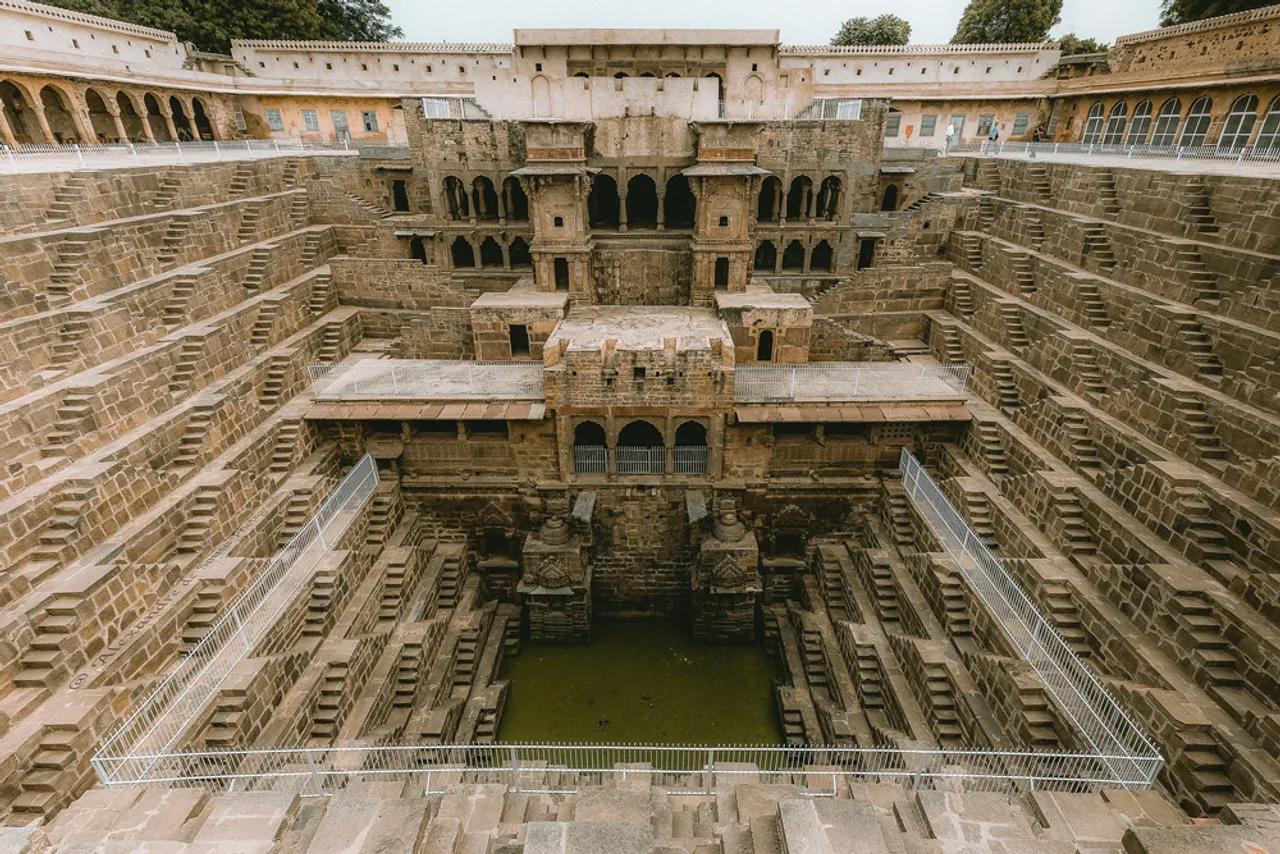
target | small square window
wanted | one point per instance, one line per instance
(395, 67)
(295, 65)
(262, 65)
(115, 48)
(638, 373)
(328, 66)
(858, 73)
(30, 37)
(148, 53)
(75, 43)
(988, 71)
(891, 72)
(364, 67)
(559, 221)
(724, 221)
(428, 69)
(370, 120)
(754, 67)
(537, 66)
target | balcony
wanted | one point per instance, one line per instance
(847, 381)
(421, 379)
(685, 459)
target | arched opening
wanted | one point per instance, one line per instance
(561, 268)
(26, 131)
(766, 256)
(679, 205)
(589, 453)
(1240, 121)
(180, 121)
(889, 201)
(764, 346)
(462, 253)
(602, 202)
(866, 253)
(485, 198)
(800, 198)
(829, 198)
(753, 89)
(722, 273)
(490, 253)
(1166, 130)
(517, 202)
(520, 257)
(104, 127)
(621, 75)
(1269, 133)
(642, 202)
(204, 127)
(793, 256)
(155, 118)
(719, 85)
(455, 195)
(671, 74)
(582, 74)
(418, 249)
(129, 117)
(1196, 127)
(541, 96)
(768, 200)
(1093, 125)
(640, 449)
(58, 115)
(1114, 133)
(1140, 125)
(648, 74)
(822, 257)
(399, 195)
(690, 453)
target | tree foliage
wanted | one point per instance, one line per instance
(886, 29)
(211, 24)
(1007, 21)
(1184, 11)
(1072, 44)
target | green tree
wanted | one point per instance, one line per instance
(1007, 21)
(1072, 44)
(211, 24)
(886, 29)
(1184, 11)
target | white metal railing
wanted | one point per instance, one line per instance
(689, 459)
(425, 379)
(848, 381)
(45, 158)
(831, 109)
(640, 460)
(159, 723)
(1222, 157)
(454, 107)
(678, 769)
(1096, 716)
(590, 459)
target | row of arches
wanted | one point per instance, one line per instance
(1168, 125)
(482, 201)
(640, 448)
(797, 203)
(54, 115)
(644, 207)
(490, 253)
(795, 257)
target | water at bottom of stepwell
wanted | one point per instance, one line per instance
(641, 681)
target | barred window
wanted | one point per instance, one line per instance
(891, 123)
(370, 119)
(275, 121)
(1020, 122)
(928, 125)
(310, 120)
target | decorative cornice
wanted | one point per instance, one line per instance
(88, 20)
(912, 49)
(373, 47)
(1265, 13)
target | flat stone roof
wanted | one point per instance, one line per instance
(522, 298)
(640, 328)
(759, 296)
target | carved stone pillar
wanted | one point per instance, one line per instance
(726, 580)
(556, 582)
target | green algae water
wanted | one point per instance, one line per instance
(640, 681)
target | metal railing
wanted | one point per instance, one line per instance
(829, 109)
(1225, 158)
(76, 156)
(677, 769)
(640, 460)
(1096, 716)
(454, 107)
(425, 379)
(159, 723)
(590, 459)
(689, 459)
(848, 381)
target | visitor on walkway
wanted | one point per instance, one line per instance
(951, 132)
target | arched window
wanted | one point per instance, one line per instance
(1269, 133)
(602, 203)
(490, 253)
(520, 257)
(58, 115)
(793, 256)
(418, 249)
(764, 346)
(1166, 130)
(1196, 127)
(455, 194)
(1140, 125)
(671, 74)
(582, 74)
(485, 198)
(18, 112)
(180, 120)
(822, 257)
(560, 266)
(516, 201)
(133, 127)
(679, 206)
(621, 75)
(640, 449)
(690, 452)
(159, 127)
(1093, 125)
(799, 198)
(204, 127)
(1240, 121)
(1114, 133)
(642, 202)
(462, 253)
(640, 434)
(104, 127)
(829, 198)
(889, 202)
(589, 453)
(768, 200)
(766, 256)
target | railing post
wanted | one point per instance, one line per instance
(515, 769)
(178, 146)
(395, 384)
(235, 613)
(320, 534)
(79, 155)
(920, 382)
(793, 383)
(8, 155)
(217, 151)
(315, 774)
(471, 378)
(857, 379)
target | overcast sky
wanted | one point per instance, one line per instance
(801, 21)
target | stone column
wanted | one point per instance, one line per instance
(506, 254)
(167, 112)
(662, 211)
(777, 257)
(777, 204)
(145, 117)
(808, 203)
(808, 257)
(726, 580)
(502, 202)
(6, 132)
(43, 121)
(622, 211)
(555, 583)
(119, 123)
